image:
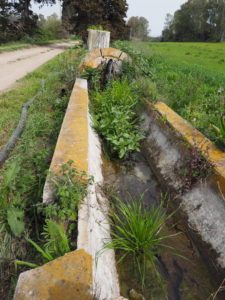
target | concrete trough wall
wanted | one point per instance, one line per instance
(169, 139)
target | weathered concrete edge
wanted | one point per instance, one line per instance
(98, 39)
(93, 227)
(215, 156)
(72, 143)
(51, 281)
(67, 277)
(203, 206)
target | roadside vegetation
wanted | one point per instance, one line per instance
(12, 46)
(49, 31)
(23, 218)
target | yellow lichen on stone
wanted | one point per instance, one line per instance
(72, 142)
(66, 278)
(111, 52)
(95, 57)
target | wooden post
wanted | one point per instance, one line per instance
(98, 39)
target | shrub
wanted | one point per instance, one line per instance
(50, 28)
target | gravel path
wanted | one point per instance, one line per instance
(16, 64)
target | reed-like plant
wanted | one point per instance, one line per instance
(139, 233)
(56, 244)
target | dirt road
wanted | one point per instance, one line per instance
(16, 64)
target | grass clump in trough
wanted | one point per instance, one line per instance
(139, 233)
(115, 118)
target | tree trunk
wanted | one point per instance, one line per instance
(222, 36)
(26, 8)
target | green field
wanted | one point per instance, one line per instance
(190, 78)
(210, 56)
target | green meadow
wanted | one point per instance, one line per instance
(210, 56)
(190, 78)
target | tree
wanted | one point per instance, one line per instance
(17, 19)
(51, 28)
(197, 20)
(78, 15)
(139, 28)
(168, 31)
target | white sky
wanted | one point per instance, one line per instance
(153, 10)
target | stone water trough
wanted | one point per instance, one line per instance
(83, 274)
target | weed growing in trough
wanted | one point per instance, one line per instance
(139, 233)
(115, 119)
(93, 77)
(195, 168)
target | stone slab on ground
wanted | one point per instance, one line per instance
(66, 278)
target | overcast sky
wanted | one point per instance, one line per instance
(153, 10)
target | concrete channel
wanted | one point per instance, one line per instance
(82, 274)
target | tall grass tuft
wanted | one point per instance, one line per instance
(139, 233)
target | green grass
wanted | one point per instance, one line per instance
(11, 102)
(189, 77)
(23, 175)
(209, 56)
(12, 46)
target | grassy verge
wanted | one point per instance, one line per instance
(14, 46)
(24, 173)
(11, 102)
(25, 45)
(192, 86)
